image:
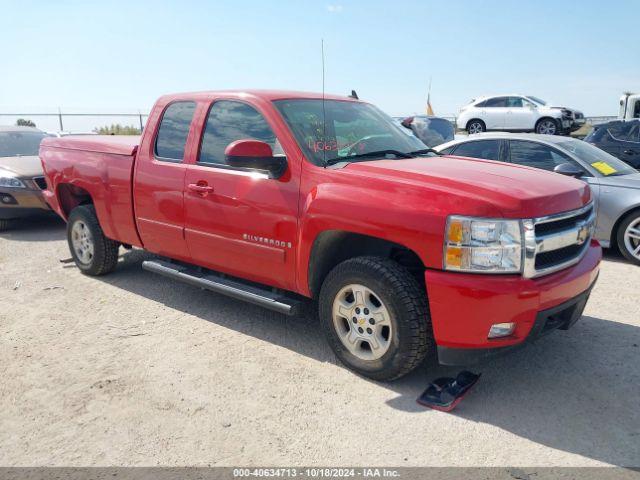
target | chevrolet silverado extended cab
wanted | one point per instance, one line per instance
(278, 197)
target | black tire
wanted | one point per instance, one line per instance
(476, 126)
(105, 251)
(541, 124)
(404, 299)
(5, 224)
(620, 240)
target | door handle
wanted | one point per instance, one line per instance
(201, 188)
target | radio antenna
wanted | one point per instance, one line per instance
(324, 118)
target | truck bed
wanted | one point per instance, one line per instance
(98, 168)
(111, 144)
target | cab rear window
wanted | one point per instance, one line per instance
(173, 131)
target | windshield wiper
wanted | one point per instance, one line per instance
(425, 150)
(377, 153)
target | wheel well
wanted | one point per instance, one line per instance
(546, 118)
(333, 247)
(475, 120)
(622, 218)
(70, 196)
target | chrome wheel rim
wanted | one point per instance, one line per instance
(362, 322)
(632, 238)
(82, 242)
(547, 128)
(475, 127)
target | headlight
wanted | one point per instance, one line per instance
(13, 182)
(483, 245)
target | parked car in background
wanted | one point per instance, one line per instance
(21, 178)
(518, 113)
(629, 106)
(431, 130)
(614, 184)
(619, 138)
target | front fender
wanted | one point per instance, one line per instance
(398, 218)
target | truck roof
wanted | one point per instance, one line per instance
(263, 94)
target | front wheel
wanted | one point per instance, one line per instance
(547, 126)
(375, 317)
(93, 253)
(628, 237)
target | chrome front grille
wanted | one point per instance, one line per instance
(557, 241)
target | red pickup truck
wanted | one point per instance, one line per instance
(278, 197)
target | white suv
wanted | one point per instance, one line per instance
(518, 113)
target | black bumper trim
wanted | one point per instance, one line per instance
(560, 317)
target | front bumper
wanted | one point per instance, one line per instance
(464, 306)
(23, 202)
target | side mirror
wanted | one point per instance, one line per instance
(569, 169)
(255, 155)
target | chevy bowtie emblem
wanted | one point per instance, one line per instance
(583, 234)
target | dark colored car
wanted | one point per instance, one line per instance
(432, 131)
(619, 138)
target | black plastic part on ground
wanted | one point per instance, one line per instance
(446, 392)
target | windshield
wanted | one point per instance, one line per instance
(537, 100)
(352, 129)
(433, 131)
(607, 165)
(20, 143)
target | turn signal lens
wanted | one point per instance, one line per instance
(454, 256)
(455, 231)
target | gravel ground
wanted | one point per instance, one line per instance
(133, 369)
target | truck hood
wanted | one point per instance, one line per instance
(475, 186)
(26, 167)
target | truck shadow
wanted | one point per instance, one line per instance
(42, 228)
(574, 391)
(613, 255)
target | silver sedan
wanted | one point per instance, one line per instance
(615, 185)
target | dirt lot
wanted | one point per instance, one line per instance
(133, 369)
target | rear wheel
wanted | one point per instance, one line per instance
(547, 126)
(93, 253)
(375, 317)
(476, 126)
(628, 237)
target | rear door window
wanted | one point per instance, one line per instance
(173, 131)
(484, 149)
(496, 102)
(536, 155)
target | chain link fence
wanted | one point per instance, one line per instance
(88, 122)
(76, 122)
